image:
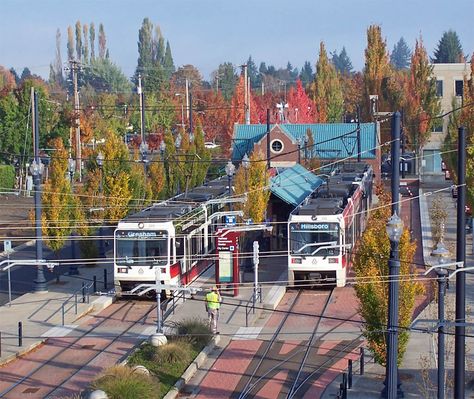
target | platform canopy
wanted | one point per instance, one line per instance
(294, 184)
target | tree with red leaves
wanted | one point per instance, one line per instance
(300, 108)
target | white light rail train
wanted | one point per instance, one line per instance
(170, 239)
(324, 228)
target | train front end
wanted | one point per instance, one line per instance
(142, 253)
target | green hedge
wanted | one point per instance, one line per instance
(7, 177)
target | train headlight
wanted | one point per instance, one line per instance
(122, 269)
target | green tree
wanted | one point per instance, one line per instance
(85, 47)
(70, 43)
(56, 69)
(168, 63)
(227, 78)
(57, 216)
(78, 41)
(449, 49)
(92, 40)
(327, 93)
(104, 75)
(342, 62)
(102, 42)
(401, 55)
(306, 74)
(371, 268)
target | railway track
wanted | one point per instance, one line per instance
(270, 362)
(62, 364)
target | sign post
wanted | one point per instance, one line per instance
(227, 265)
(255, 264)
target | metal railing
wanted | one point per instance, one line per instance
(250, 305)
(80, 296)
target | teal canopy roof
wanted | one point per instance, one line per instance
(294, 184)
(331, 140)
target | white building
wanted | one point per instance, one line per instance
(449, 87)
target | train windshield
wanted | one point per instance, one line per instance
(144, 248)
(314, 239)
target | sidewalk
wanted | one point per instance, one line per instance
(41, 314)
(418, 372)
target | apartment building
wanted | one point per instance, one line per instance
(449, 88)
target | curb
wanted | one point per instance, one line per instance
(22, 352)
(191, 370)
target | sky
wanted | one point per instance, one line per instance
(206, 33)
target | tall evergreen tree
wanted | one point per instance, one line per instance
(102, 42)
(327, 93)
(78, 41)
(168, 63)
(401, 54)
(252, 72)
(306, 74)
(449, 49)
(92, 40)
(342, 62)
(85, 47)
(227, 79)
(263, 68)
(57, 67)
(70, 43)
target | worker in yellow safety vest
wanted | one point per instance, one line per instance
(213, 303)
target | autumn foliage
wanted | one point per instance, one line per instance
(371, 269)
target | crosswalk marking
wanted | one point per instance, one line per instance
(59, 331)
(244, 333)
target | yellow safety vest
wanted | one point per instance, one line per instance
(212, 299)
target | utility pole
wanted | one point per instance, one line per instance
(142, 107)
(402, 143)
(246, 96)
(263, 87)
(40, 282)
(248, 101)
(460, 330)
(268, 138)
(187, 99)
(359, 147)
(190, 114)
(77, 122)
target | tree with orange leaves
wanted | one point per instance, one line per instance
(422, 103)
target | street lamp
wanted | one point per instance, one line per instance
(298, 143)
(441, 256)
(162, 149)
(394, 230)
(71, 164)
(246, 165)
(100, 163)
(230, 170)
(36, 169)
(144, 153)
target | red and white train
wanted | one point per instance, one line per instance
(172, 238)
(324, 228)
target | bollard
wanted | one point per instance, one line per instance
(20, 333)
(105, 279)
(362, 361)
(83, 292)
(94, 283)
(349, 374)
(344, 386)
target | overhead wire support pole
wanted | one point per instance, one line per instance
(142, 107)
(359, 150)
(77, 117)
(460, 330)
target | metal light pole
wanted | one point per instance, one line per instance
(441, 256)
(298, 143)
(230, 170)
(36, 170)
(460, 330)
(144, 153)
(394, 231)
(100, 163)
(71, 166)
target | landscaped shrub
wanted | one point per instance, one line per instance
(175, 351)
(7, 177)
(120, 382)
(196, 330)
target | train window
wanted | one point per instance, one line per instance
(317, 239)
(141, 247)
